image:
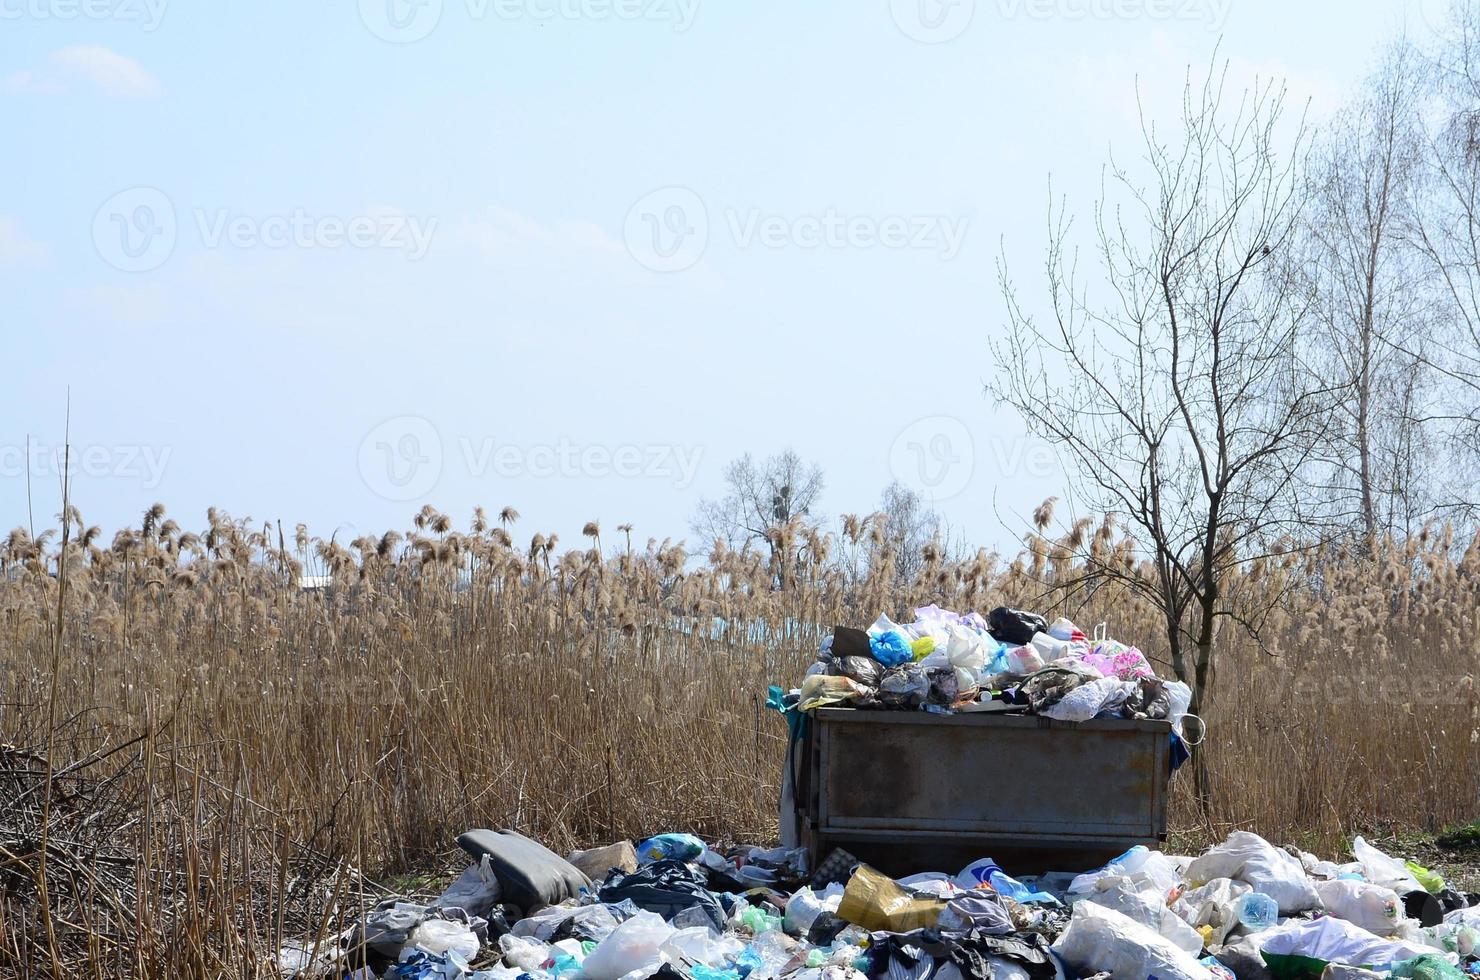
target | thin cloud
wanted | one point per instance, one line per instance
(114, 74)
(110, 73)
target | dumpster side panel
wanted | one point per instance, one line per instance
(988, 782)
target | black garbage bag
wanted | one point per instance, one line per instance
(498, 923)
(972, 952)
(1424, 907)
(1014, 625)
(894, 957)
(864, 670)
(905, 687)
(825, 929)
(664, 887)
(849, 641)
(1451, 900)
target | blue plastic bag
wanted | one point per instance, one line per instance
(891, 648)
(670, 847)
(988, 872)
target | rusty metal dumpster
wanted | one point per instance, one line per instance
(913, 791)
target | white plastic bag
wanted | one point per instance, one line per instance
(1214, 905)
(802, 909)
(1179, 699)
(440, 936)
(1319, 869)
(1023, 660)
(476, 891)
(526, 954)
(1103, 940)
(1154, 865)
(882, 625)
(965, 648)
(1335, 941)
(1062, 629)
(805, 905)
(1143, 902)
(1141, 860)
(1085, 701)
(296, 958)
(1050, 649)
(1383, 870)
(543, 924)
(1252, 859)
(1377, 909)
(701, 944)
(632, 946)
(1464, 917)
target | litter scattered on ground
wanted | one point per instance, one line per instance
(672, 907)
(676, 908)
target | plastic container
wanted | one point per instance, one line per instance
(1257, 911)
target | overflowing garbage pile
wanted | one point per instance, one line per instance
(672, 907)
(947, 662)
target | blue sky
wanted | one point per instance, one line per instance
(331, 261)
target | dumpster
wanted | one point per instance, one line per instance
(917, 791)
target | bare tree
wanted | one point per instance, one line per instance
(1365, 289)
(908, 527)
(760, 498)
(1180, 397)
(1447, 235)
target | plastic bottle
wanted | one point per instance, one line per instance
(1257, 911)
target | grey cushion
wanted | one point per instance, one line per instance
(529, 873)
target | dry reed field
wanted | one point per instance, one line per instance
(207, 759)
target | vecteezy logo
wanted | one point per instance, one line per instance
(401, 458)
(667, 230)
(932, 21)
(934, 456)
(401, 21)
(134, 230)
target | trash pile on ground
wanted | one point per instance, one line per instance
(674, 908)
(946, 662)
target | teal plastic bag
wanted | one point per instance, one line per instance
(670, 847)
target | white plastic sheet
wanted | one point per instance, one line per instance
(476, 891)
(632, 946)
(1144, 902)
(1103, 940)
(441, 936)
(1383, 870)
(701, 944)
(1377, 909)
(1336, 941)
(1085, 701)
(1214, 905)
(1154, 865)
(1250, 858)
